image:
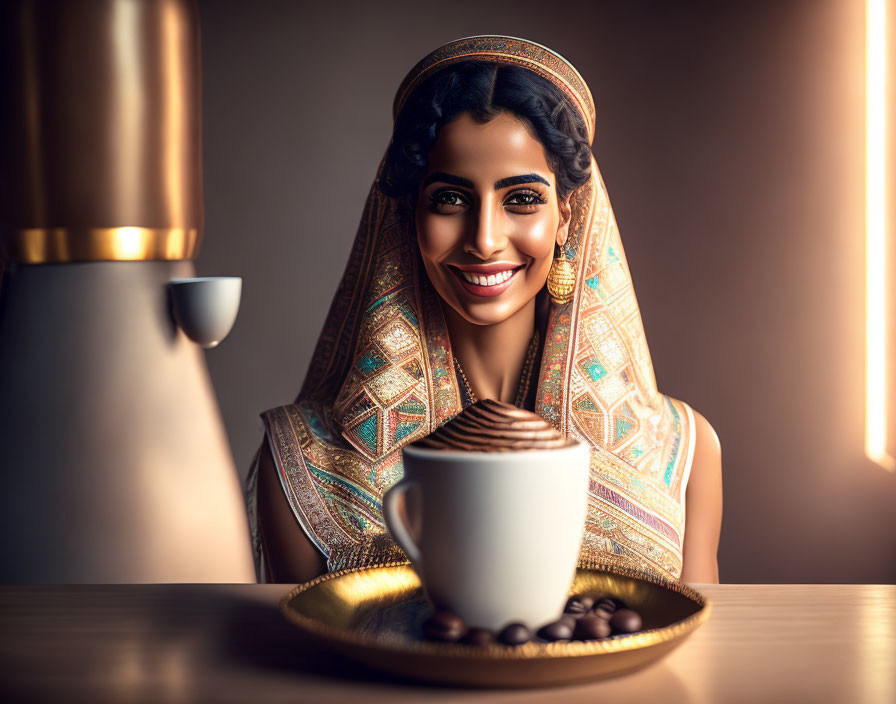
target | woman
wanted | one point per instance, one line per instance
(487, 193)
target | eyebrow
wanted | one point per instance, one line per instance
(442, 177)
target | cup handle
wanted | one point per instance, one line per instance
(394, 522)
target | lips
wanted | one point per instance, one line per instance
(486, 280)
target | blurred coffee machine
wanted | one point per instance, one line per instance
(114, 461)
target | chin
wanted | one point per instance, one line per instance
(484, 313)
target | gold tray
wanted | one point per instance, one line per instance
(373, 616)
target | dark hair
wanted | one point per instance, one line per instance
(486, 89)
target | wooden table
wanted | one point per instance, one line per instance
(228, 643)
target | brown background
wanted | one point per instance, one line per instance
(730, 136)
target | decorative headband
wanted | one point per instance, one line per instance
(506, 50)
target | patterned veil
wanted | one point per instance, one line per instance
(382, 376)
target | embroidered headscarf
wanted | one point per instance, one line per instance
(382, 375)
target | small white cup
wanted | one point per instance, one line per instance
(205, 307)
(500, 533)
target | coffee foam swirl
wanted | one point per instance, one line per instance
(492, 426)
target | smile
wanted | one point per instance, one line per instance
(490, 280)
(486, 280)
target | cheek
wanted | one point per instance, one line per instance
(536, 237)
(437, 236)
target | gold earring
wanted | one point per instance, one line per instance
(561, 278)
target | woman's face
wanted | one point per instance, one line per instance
(488, 217)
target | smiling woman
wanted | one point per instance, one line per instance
(488, 154)
(488, 185)
(487, 221)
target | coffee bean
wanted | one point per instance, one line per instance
(568, 619)
(515, 634)
(606, 605)
(558, 630)
(444, 626)
(602, 612)
(625, 621)
(478, 636)
(587, 602)
(591, 628)
(575, 607)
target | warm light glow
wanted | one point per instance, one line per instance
(127, 122)
(876, 355)
(174, 104)
(130, 242)
(877, 649)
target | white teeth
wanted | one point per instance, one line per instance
(490, 280)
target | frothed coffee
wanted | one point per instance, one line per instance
(492, 426)
(500, 496)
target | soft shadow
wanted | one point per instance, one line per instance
(257, 635)
(244, 632)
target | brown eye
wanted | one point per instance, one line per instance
(524, 201)
(447, 202)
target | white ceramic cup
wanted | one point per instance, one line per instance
(499, 533)
(205, 307)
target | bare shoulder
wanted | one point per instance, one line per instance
(703, 505)
(706, 442)
(705, 482)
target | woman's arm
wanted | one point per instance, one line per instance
(291, 556)
(703, 507)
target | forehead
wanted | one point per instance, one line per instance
(486, 152)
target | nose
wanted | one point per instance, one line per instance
(487, 235)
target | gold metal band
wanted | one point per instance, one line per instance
(88, 244)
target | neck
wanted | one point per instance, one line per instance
(492, 356)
